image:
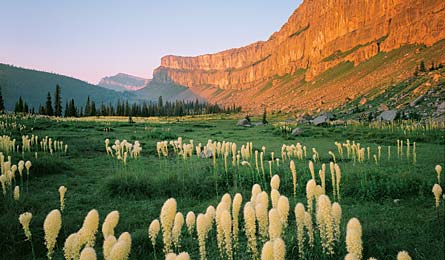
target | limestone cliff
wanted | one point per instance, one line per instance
(318, 36)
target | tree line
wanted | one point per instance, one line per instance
(121, 108)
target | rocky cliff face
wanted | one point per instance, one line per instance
(319, 35)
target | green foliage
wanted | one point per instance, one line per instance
(295, 34)
(2, 103)
(341, 54)
(422, 67)
(264, 120)
(21, 106)
(123, 108)
(57, 102)
(31, 85)
(139, 182)
(161, 134)
(49, 106)
(261, 60)
(139, 190)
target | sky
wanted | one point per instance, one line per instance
(89, 40)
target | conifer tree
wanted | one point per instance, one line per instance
(160, 106)
(88, 107)
(93, 109)
(66, 110)
(265, 116)
(2, 103)
(422, 66)
(72, 108)
(49, 107)
(57, 102)
(19, 106)
(25, 108)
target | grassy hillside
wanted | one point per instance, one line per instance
(168, 91)
(33, 86)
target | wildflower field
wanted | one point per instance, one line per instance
(203, 188)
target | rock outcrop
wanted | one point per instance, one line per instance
(319, 35)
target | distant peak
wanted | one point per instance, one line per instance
(123, 82)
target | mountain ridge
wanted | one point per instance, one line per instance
(318, 36)
(33, 85)
(123, 82)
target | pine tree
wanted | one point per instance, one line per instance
(265, 116)
(196, 107)
(433, 67)
(25, 108)
(111, 110)
(2, 103)
(41, 110)
(66, 110)
(144, 109)
(103, 110)
(49, 111)
(151, 109)
(88, 107)
(93, 109)
(422, 66)
(127, 108)
(57, 102)
(19, 106)
(160, 106)
(134, 109)
(72, 108)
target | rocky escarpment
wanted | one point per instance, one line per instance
(318, 36)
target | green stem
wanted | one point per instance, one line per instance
(184, 166)
(32, 249)
(216, 181)
(154, 252)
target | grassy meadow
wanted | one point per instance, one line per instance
(391, 197)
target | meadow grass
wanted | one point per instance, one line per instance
(392, 199)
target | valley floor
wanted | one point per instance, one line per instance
(392, 198)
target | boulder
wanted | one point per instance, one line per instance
(303, 119)
(440, 119)
(389, 116)
(209, 153)
(297, 131)
(441, 107)
(243, 122)
(323, 119)
(206, 154)
(416, 101)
